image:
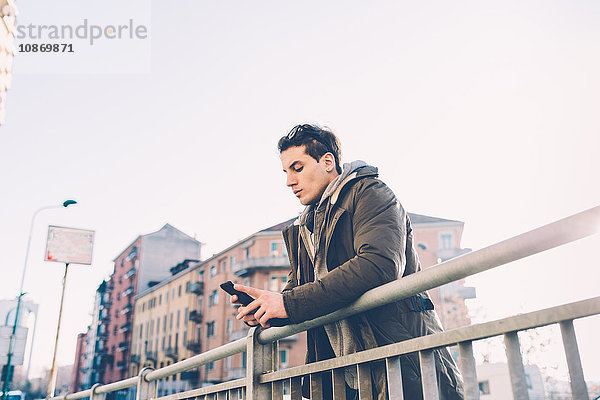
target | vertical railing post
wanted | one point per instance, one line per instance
(578, 386)
(428, 375)
(260, 360)
(515, 366)
(145, 390)
(466, 361)
(95, 395)
(394, 378)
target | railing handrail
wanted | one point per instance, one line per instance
(535, 319)
(552, 235)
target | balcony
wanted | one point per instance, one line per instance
(106, 304)
(129, 291)
(127, 309)
(197, 288)
(125, 328)
(131, 273)
(151, 356)
(123, 346)
(102, 335)
(251, 264)
(194, 346)
(135, 359)
(196, 316)
(172, 353)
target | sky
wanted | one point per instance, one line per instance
(483, 112)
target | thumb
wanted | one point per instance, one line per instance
(247, 289)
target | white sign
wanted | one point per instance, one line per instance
(19, 346)
(69, 245)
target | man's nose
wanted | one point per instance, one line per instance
(290, 180)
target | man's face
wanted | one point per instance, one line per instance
(305, 176)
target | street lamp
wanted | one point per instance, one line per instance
(11, 343)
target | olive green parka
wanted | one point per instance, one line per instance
(365, 238)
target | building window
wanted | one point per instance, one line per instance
(211, 365)
(201, 276)
(283, 357)
(484, 387)
(213, 271)
(244, 360)
(178, 316)
(274, 251)
(187, 287)
(213, 299)
(179, 291)
(210, 329)
(446, 239)
(273, 284)
(229, 325)
(232, 261)
(165, 323)
(247, 252)
(159, 299)
(171, 322)
(184, 338)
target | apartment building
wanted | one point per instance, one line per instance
(437, 240)
(143, 263)
(189, 314)
(95, 354)
(78, 370)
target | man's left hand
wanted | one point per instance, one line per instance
(267, 304)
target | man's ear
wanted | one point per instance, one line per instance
(329, 162)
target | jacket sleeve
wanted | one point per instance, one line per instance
(379, 239)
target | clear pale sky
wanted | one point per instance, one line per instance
(484, 112)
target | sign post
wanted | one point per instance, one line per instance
(69, 246)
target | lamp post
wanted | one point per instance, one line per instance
(11, 343)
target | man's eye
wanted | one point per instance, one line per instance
(298, 169)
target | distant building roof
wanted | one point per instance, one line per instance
(414, 218)
(279, 226)
(166, 226)
(425, 219)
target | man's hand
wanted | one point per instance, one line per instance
(266, 303)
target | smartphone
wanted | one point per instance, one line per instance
(245, 299)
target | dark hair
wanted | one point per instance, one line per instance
(316, 140)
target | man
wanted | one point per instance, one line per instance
(352, 237)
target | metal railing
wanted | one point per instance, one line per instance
(264, 381)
